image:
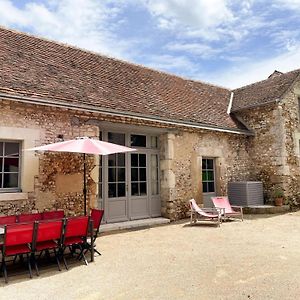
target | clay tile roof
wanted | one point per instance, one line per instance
(37, 67)
(263, 92)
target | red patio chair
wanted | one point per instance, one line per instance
(204, 214)
(55, 214)
(228, 210)
(30, 217)
(96, 217)
(18, 239)
(48, 236)
(76, 233)
(5, 220)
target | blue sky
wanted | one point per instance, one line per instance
(224, 42)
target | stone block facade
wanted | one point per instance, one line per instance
(181, 165)
(274, 150)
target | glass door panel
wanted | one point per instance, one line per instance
(116, 175)
(138, 174)
(139, 200)
(208, 181)
(116, 181)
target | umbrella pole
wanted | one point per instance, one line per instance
(84, 183)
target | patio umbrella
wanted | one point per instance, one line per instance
(85, 146)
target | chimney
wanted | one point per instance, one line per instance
(275, 74)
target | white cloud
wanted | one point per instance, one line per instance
(170, 63)
(192, 13)
(9, 14)
(290, 4)
(212, 20)
(192, 18)
(88, 24)
(197, 49)
(250, 72)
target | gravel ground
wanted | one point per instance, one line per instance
(255, 259)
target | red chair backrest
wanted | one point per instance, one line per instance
(18, 234)
(48, 230)
(55, 214)
(96, 216)
(22, 218)
(77, 226)
(8, 220)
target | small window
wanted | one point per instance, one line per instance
(208, 175)
(9, 166)
(138, 140)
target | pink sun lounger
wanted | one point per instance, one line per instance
(204, 214)
(227, 209)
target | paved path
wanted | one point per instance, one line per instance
(255, 259)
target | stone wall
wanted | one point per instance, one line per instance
(50, 123)
(274, 151)
(57, 181)
(291, 115)
(181, 165)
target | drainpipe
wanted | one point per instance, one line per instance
(230, 103)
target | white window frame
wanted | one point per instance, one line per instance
(18, 188)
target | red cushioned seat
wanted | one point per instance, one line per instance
(46, 245)
(17, 249)
(73, 240)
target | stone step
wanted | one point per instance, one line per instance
(136, 224)
(266, 209)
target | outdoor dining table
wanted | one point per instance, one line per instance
(91, 246)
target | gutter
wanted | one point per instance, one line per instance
(87, 108)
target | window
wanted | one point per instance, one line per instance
(208, 176)
(138, 140)
(9, 166)
(138, 175)
(116, 168)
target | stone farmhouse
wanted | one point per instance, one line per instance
(192, 137)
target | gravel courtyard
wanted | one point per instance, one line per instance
(255, 259)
